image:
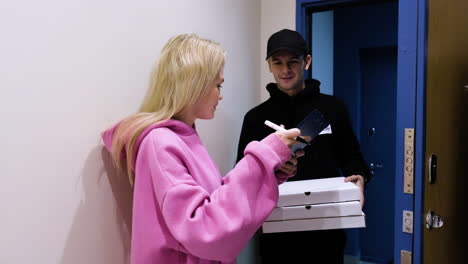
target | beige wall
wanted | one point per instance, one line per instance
(275, 15)
(68, 70)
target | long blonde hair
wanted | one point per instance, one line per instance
(187, 64)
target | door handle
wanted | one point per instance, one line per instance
(432, 170)
(433, 220)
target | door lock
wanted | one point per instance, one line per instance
(374, 166)
(433, 220)
(408, 164)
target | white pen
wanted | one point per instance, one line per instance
(279, 128)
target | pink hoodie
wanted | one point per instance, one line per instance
(183, 210)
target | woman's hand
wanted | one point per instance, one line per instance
(289, 168)
(288, 136)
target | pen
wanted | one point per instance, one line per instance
(278, 128)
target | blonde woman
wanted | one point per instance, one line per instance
(183, 210)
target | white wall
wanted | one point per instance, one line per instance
(69, 69)
(275, 15)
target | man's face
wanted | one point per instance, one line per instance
(288, 71)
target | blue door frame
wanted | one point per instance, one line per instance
(422, 17)
(412, 32)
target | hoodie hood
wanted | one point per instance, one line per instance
(312, 87)
(177, 126)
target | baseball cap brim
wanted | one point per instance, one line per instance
(291, 50)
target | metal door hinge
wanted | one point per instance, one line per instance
(408, 165)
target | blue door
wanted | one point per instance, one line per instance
(378, 82)
(378, 96)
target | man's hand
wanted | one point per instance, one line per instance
(359, 181)
(289, 168)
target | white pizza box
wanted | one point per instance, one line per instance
(316, 211)
(343, 222)
(317, 191)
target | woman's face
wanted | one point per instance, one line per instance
(206, 106)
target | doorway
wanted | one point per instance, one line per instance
(354, 51)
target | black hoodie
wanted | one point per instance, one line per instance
(328, 156)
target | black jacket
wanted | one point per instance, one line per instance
(328, 156)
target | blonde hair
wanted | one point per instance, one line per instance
(187, 65)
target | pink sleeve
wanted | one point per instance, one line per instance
(219, 225)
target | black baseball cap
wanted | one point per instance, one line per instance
(286, 40)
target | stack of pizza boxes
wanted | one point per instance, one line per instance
(317, 204)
